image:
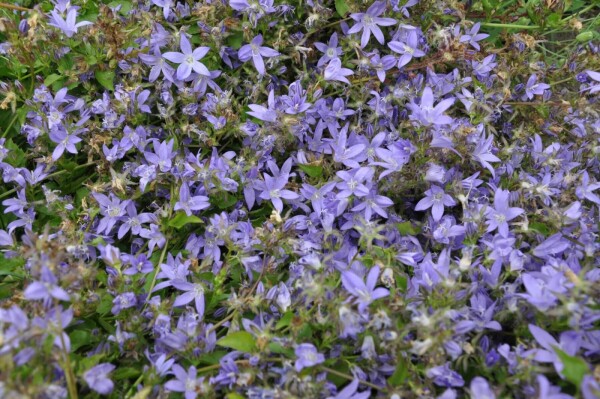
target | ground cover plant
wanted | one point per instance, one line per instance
(300, 199)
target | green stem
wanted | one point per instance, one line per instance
(509, 26)
(11, 123)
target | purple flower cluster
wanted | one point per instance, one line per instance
(410, 216)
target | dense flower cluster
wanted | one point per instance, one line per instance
(317, 199)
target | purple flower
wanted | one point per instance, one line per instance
(123, 301)
(369, 22)
(156, 238)
(570, 341)
(483, 153)
(166, 6)
(426, 114)
(265, 114)
(186, 382)
(341, 152)
(193, 292)
(409, 50)
(134, 221)
(256, 51)
(353, 182)
(162, 155)
(436, 199)
(189, 203)
(272, 188)
(65, 141)
(595, 76)
(480, 389)
(349, 392)
(473, 37)
(532, 88)
(98, 380)
(586, 190)
(334, 71)
(187, 59)
(549, 391)
(330, 50)
(68, 25)
(16, 205)
(307, 356)
(445, 377)
(112, 208)
(158, 64)
(499, 216)
(46, 288)
(365, 293)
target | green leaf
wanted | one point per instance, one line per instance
(275, 347)
(106, 79)
(285, 320)
(79, 338)
(235, 40)
(341, 7)
(312, 170)
(105, 304)
(234, 395)
(407, 228)
(540, 228)
(122, 373)
(16, 156)
(575, 368)
(223, 200)
(51, 79)
(240, 340)
(400, 373)
(11, 266)
(181, 219)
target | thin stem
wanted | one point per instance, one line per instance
(14, 7)
(509, 26)
(69, 375)
(11, 123)
(160, 260)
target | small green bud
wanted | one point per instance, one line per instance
(585, 36)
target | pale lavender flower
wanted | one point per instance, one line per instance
(472, 37)
(444, 376)
(193, 292)
(188, 59)
(350, 392)
(156, 238)
(499, 216)
(189, 203)
(369, 22)
(165, 5)
(68, 25)
(480, 389)
(98, 380)
(334, 71)
(436, 199)
(65, 141)
(533, 88)
(307, 356)
(365, 292)
(256, 51)
(185, 382)
(586, 190)
(46, 288)
(426, 114)
(408, 50)
(595, 76)
(329, 50)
